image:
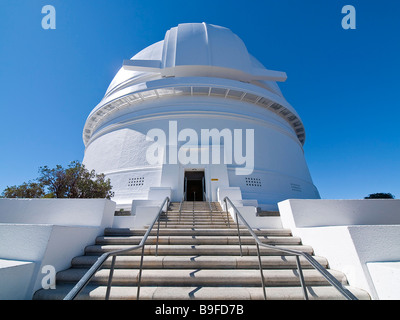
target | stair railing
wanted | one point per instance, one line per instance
(77, 289)
(209, 205)
(194, 199)
(314, 263)
(180, 205)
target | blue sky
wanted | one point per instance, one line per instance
(343, 83)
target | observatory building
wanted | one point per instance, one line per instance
(197, 115)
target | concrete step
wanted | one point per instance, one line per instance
(202, 226)
(198, 260)
(97, 292)
(191, 217)
(205, 217)
(201, 277)
(221, 250)
(206, 223)
(196, 213)
(197, 226)
(191, 210)
(203, 262)
(195, 232)
(196, 240)
(197, 222)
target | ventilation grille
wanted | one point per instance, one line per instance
(253, 182)
(295, 187)
(135, 182)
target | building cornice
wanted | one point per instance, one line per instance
(192, 86)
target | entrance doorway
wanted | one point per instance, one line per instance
(194, 185)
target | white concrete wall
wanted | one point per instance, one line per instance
(385, 274)
(247, 208)
(120, 145)
(15, 279)
(316, 213)
(143, 212)
(40, 232)
(351, 234)
(65, 212)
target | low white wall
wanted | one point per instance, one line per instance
(144, 203)
(48, 232)
(247, 208)
(159, 193)
(386, 277)
(143, 212)
(65, 212)
(249, 213)
(316, 213)
(349, 233)
(233, 193)
(15, 276)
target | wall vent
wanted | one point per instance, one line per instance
(295, 187)
(253, 182)
(135, 182)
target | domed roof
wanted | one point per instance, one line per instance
(199, 50)
(205, 45)
(194, 59)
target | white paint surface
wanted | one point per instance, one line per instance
(351, 234)
(39, 232)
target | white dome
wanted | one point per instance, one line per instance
(194, 59)
(199, 50)
(204, 44)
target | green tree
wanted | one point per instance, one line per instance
(54, 180)
(380, 196)
(25, 190)
(75, 181)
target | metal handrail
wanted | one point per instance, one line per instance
(180, 205)
(209, 205)
(102, 259)
(314, 263)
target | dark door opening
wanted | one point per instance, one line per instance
(194, 184)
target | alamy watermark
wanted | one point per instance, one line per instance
(49, 280)
(198, 150)
(49, 20)
(349, 20)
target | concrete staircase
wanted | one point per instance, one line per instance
(198, 258)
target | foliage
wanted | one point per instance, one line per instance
(380, 196)
(25, 190)
(75, 181)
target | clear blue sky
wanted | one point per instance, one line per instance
(344, 83)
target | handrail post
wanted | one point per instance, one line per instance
(240, 241)
(110, 276)
(140, 274)
(158, 233)
(180, 206)
(302, 282)
(261, 271)
(209, 205)
(166, 215)
(194, 199)
(227, 213)
(211, 212)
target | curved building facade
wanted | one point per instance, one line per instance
(196, 112)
